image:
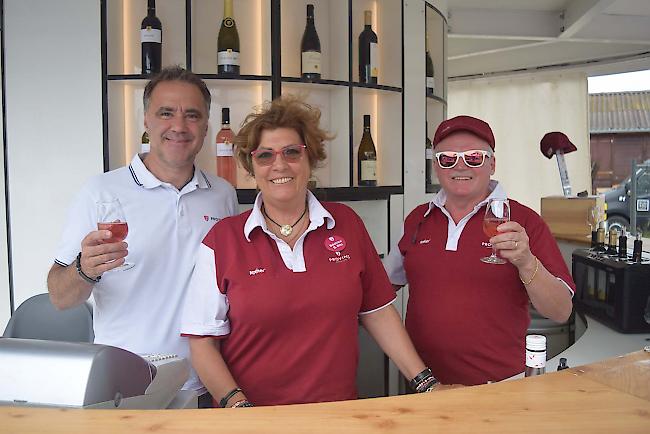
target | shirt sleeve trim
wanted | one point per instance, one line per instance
(189, 335)
(203, 330)
(571, 291)
(379, 308)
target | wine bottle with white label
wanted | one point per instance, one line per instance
(367, 157)
(368, 67)
(151, 40)
(310, 54)
(228, 43)
(431, 82)
(226, 167)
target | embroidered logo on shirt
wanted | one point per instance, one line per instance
(208, 218)
(486, 244)
(256, 271)
(427, 241)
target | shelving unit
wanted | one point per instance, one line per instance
(270, 33)
(270, 67)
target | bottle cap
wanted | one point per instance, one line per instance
(536, 342)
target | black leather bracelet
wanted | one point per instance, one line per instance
(227, 396)
(425, 376)
(83, 275)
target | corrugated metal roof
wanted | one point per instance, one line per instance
(619, 112)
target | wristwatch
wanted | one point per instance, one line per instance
(83, 275)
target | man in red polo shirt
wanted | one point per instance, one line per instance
(468, 319)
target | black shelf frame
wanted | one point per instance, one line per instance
(434, 188)
(247, 196)
(335, 194)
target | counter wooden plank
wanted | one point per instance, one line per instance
(594, 398)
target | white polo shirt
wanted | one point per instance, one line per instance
(139, 309)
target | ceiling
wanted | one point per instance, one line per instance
(496, 37)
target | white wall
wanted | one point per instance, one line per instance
(520, 111)
(54, 126)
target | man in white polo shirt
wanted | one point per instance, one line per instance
(169, 205)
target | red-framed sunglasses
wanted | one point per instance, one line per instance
(290, 154)
(473, 158)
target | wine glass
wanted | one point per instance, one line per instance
(593, 218)
(110, 216)
(496, 212)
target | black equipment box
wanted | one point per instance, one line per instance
(614, 291)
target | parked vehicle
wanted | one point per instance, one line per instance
(618, 202)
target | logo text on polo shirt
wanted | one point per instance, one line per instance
(427, 241)
(340, 258)
(208, 218)
(486, 244)
(256, 271)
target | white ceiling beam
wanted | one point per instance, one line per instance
(503, 23)
(609, 39)
(579, 14)
(498, 50)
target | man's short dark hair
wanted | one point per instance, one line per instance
(176, 73)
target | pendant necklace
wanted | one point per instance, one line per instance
(285, 230)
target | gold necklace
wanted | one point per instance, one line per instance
(285, 230)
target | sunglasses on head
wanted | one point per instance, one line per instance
(290, 154)
(473, 158)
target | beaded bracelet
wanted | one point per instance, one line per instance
(534, 273)
(242, 403)
(227, 396)
(83, 275)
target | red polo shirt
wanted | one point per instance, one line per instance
(293, 335)
(468, 319)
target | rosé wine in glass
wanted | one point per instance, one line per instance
(490, 226)
(110, 216)
(118, 229)
(497, 212)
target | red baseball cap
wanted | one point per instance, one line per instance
(555, 141)
(472, 125)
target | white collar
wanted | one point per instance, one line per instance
(144, 178)
(317, 215)
(496, 192)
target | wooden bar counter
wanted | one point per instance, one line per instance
(612, 396)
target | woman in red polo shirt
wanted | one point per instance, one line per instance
(278, 291)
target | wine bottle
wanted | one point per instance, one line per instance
(535, 355)
(151, 40)
(600, 239)
(225, 161)
(367, 157)
(228, 43)
(428, 155)
(431, 82)
(622, 245)
(310, 54)
(144, 143)
(613, 241)
(368, 65)
(637, 250)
